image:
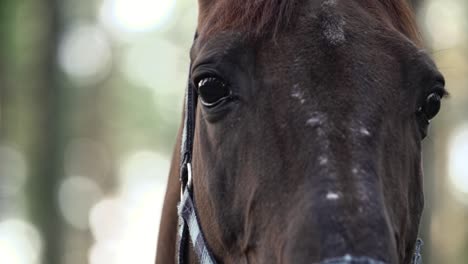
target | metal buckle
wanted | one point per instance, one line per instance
(186, 179)
(189, 175)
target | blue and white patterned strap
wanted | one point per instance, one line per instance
(417, 258)
(181, 241)
(189, 222)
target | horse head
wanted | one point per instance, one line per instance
(308, 130)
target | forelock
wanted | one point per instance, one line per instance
(258, 18)
(253, 17)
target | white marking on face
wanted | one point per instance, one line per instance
(329, 2)
(355, 170)
(332, 24)
(298, 94)
(323, 160)
(364, 131)
(332, 196)
(315, 119)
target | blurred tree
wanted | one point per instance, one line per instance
(4, 24)
(47, 152)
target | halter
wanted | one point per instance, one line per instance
(188, 218)
(189, 223)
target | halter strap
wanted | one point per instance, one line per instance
(417, 258)
(188, 215)
(189, 224)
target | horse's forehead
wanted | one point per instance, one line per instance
(322, 27)
(218, 47)
(332, 23)
(326, 12)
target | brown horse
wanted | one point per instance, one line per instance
(308, 130)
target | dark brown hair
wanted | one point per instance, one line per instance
(249, 16)
(256, 17)
(399, 15)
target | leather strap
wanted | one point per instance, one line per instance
(188, 219)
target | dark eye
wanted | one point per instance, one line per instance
(427, 111)
(431, 106)
(213, 91)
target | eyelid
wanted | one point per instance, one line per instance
(440, 90)
(440, 79)
(439, 86)
(202, 72)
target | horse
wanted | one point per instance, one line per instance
(302, 131)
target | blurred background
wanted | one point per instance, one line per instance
(91, 96)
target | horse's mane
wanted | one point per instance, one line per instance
(252, 16)
(259, 16)
(400, 16)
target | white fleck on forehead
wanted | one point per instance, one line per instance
(364, 131)
(332, 195)
(316, 119)
(297, 93)
(329, 2)
(332, 23)
(323, 160)
(318, 124)
(359, 129)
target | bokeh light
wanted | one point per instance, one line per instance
(85, 54)
(142, 169)
(20, 242)
(76, 196)
(443, 23)
(146, 66)
(136, 15)
(107, 218)
(458, 163)
(125, 227)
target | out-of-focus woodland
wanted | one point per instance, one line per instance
(91, 96)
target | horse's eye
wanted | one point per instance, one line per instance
(431, 106)
(213, 91)
(427, 111)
